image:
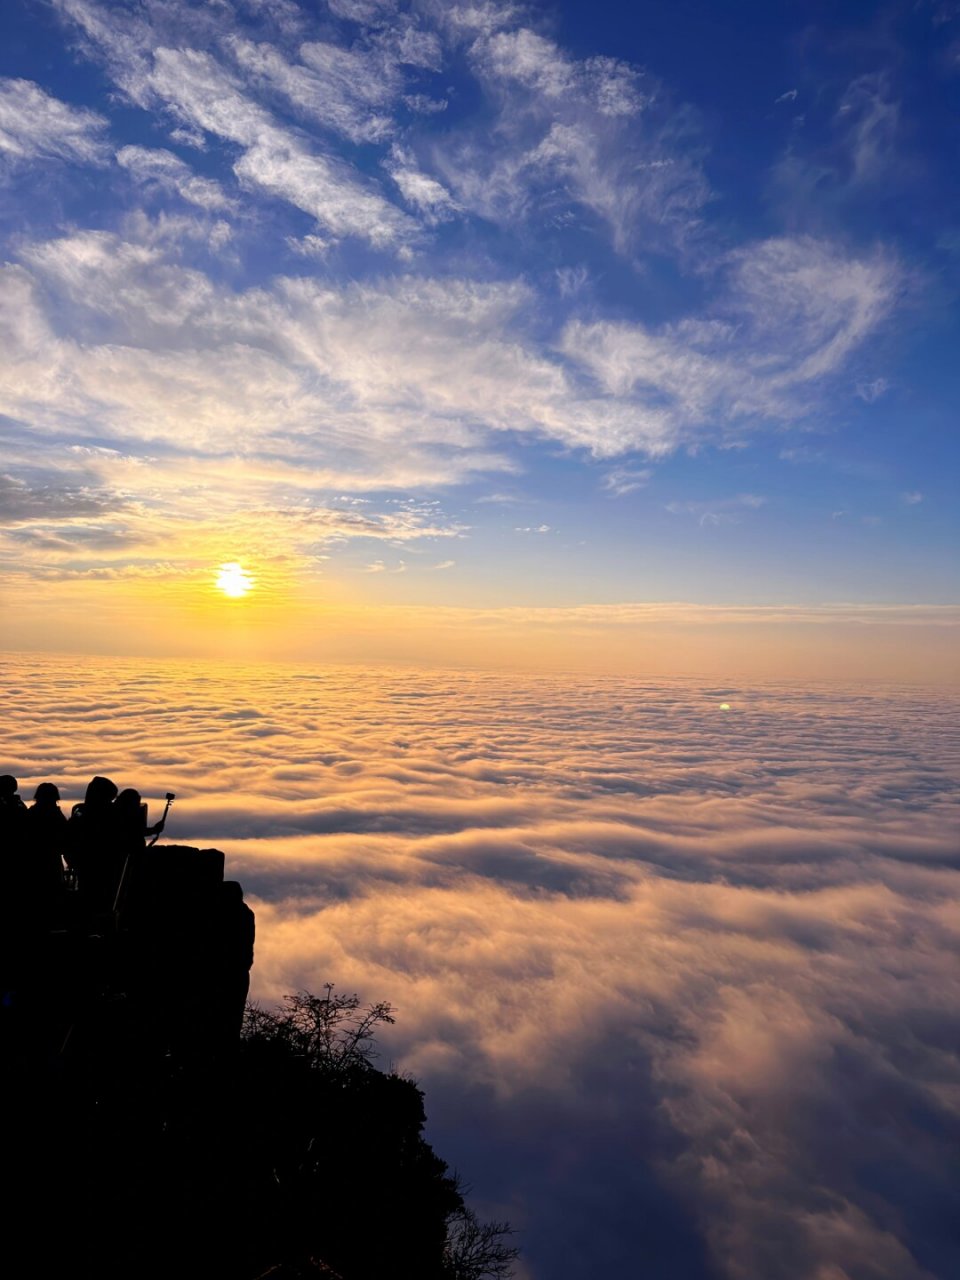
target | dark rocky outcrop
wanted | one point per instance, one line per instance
(146, 1135)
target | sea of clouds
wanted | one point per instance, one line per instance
(675, 963)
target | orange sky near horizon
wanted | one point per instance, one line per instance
(282, 619)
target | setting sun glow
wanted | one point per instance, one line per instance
(233, 580)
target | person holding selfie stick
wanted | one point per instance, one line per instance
(156, 830)
(133, 836)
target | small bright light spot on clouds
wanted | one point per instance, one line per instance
(724, 706)
(233, 580)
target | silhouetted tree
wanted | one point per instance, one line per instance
(477, 1250)
(330, 1034)
(287, 1155)
(350, 1153)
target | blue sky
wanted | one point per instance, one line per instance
(480, 304)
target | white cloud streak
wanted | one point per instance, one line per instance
(341, 89)
(439, 363)
(167, 171)
(424, 193)
(33, 125)
(274, 159)
(794, 313)
(587, 133)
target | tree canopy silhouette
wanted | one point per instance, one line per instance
(355, 1153)
(290, 1156)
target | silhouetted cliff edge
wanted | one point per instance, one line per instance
(142, 1139)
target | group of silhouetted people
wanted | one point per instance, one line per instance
(154, 921)
(45, 852)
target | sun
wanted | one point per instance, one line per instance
(233, 580)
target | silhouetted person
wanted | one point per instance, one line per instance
(13, 814)
(131, 836)
(131, 814)
(13, 822)
(46, 841)
(12, 811)
(91, 844)
(130, 822)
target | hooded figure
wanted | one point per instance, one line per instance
(46, 830)
(91, 845)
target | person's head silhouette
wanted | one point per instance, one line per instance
(48, 793)
(8, 786)
(100, 792)
(128, 801)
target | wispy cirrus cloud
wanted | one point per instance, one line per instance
(374, 254)
(348, 91)
(274, 159)
(794, 312)
(719, 510)
(868, 119)
(441, 363)
(155, 166)
(624, 480)
(853, 146)
(203, 93)
(49, 499)
(425, 194)
(598, 127)
(445, 361)
(588, 134)
(36, 125)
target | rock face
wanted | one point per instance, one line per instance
(149, 1134)
(168, 960)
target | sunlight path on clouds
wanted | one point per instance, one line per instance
(680, 983)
